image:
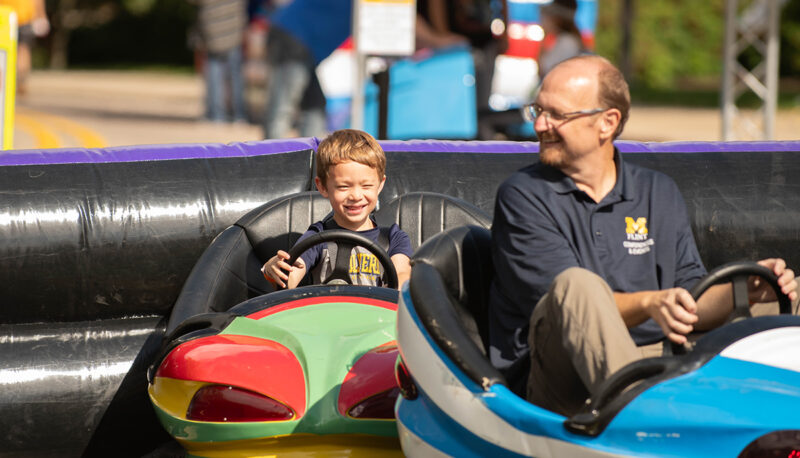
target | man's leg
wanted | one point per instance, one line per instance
(577, 340)
(215, 84)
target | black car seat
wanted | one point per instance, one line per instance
(451, 274)
(424, 214)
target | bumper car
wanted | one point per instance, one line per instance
(248, 371)
(736, 393)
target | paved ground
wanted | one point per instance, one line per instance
(113, 108)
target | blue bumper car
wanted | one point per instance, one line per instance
(737, 393)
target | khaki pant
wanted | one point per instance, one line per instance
(577, 340)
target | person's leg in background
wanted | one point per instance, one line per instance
(235, 76)
(313, 120)
(290, 67)
(215, 87)
(287, 84)
(26, 38)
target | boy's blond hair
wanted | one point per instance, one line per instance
(349, 145)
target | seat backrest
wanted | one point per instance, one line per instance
(278, 224)
(461, 257)
(229, 271)
(424, 214)
(450, 278)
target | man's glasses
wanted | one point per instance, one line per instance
(532, 111)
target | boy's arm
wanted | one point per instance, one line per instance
(275, 270)
(403, 267)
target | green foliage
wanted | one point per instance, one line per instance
(140, 33)
(672, 39)
(682, 40)
(138, 7)
(790, 39)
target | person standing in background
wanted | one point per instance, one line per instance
(33, 23)
(301, 35)
(220, 27)
(558, 22)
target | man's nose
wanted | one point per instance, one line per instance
(541, 123)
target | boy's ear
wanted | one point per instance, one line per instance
(321, 187)
(380, 186)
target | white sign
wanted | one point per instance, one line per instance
(385, 27)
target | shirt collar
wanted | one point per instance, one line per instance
(623, 188)
(329, 223)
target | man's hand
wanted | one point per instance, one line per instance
(675, 311)
(277, 270)
(760, 291)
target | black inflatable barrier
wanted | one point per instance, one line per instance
(95, 246)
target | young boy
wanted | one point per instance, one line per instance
(350, 174)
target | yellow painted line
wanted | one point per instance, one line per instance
(48, 122)
(41, 134)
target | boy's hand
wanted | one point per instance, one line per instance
(277, 270)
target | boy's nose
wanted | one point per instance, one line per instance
(355, 193)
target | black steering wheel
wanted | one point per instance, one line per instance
(345, 242)
(737, 273)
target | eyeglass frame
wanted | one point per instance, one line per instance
(529, 113)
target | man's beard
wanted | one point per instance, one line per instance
(552, 154)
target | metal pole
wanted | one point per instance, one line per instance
(728, 69)
(382, 80)
(359, 74)
(625, 45)
(773, 56)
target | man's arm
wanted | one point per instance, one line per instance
(528, 249)
(677, 314)
(673, 309)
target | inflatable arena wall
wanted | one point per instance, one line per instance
(95, 246)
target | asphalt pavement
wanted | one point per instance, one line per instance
(116, 108)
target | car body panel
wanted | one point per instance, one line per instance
(716, 409)
(314, 354)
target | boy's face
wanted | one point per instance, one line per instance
(352, 189)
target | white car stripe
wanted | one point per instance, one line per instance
(779, 347)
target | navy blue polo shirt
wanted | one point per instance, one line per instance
(637, 238)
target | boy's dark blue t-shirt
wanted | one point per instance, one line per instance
(365, 269)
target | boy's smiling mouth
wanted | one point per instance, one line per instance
(354, 208)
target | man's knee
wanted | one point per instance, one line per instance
(577, 279)
(578, 291)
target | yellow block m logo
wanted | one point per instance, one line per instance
(636, 227)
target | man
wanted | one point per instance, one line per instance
(593, 256)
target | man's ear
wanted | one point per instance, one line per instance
(321, 187)
(610, 121)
